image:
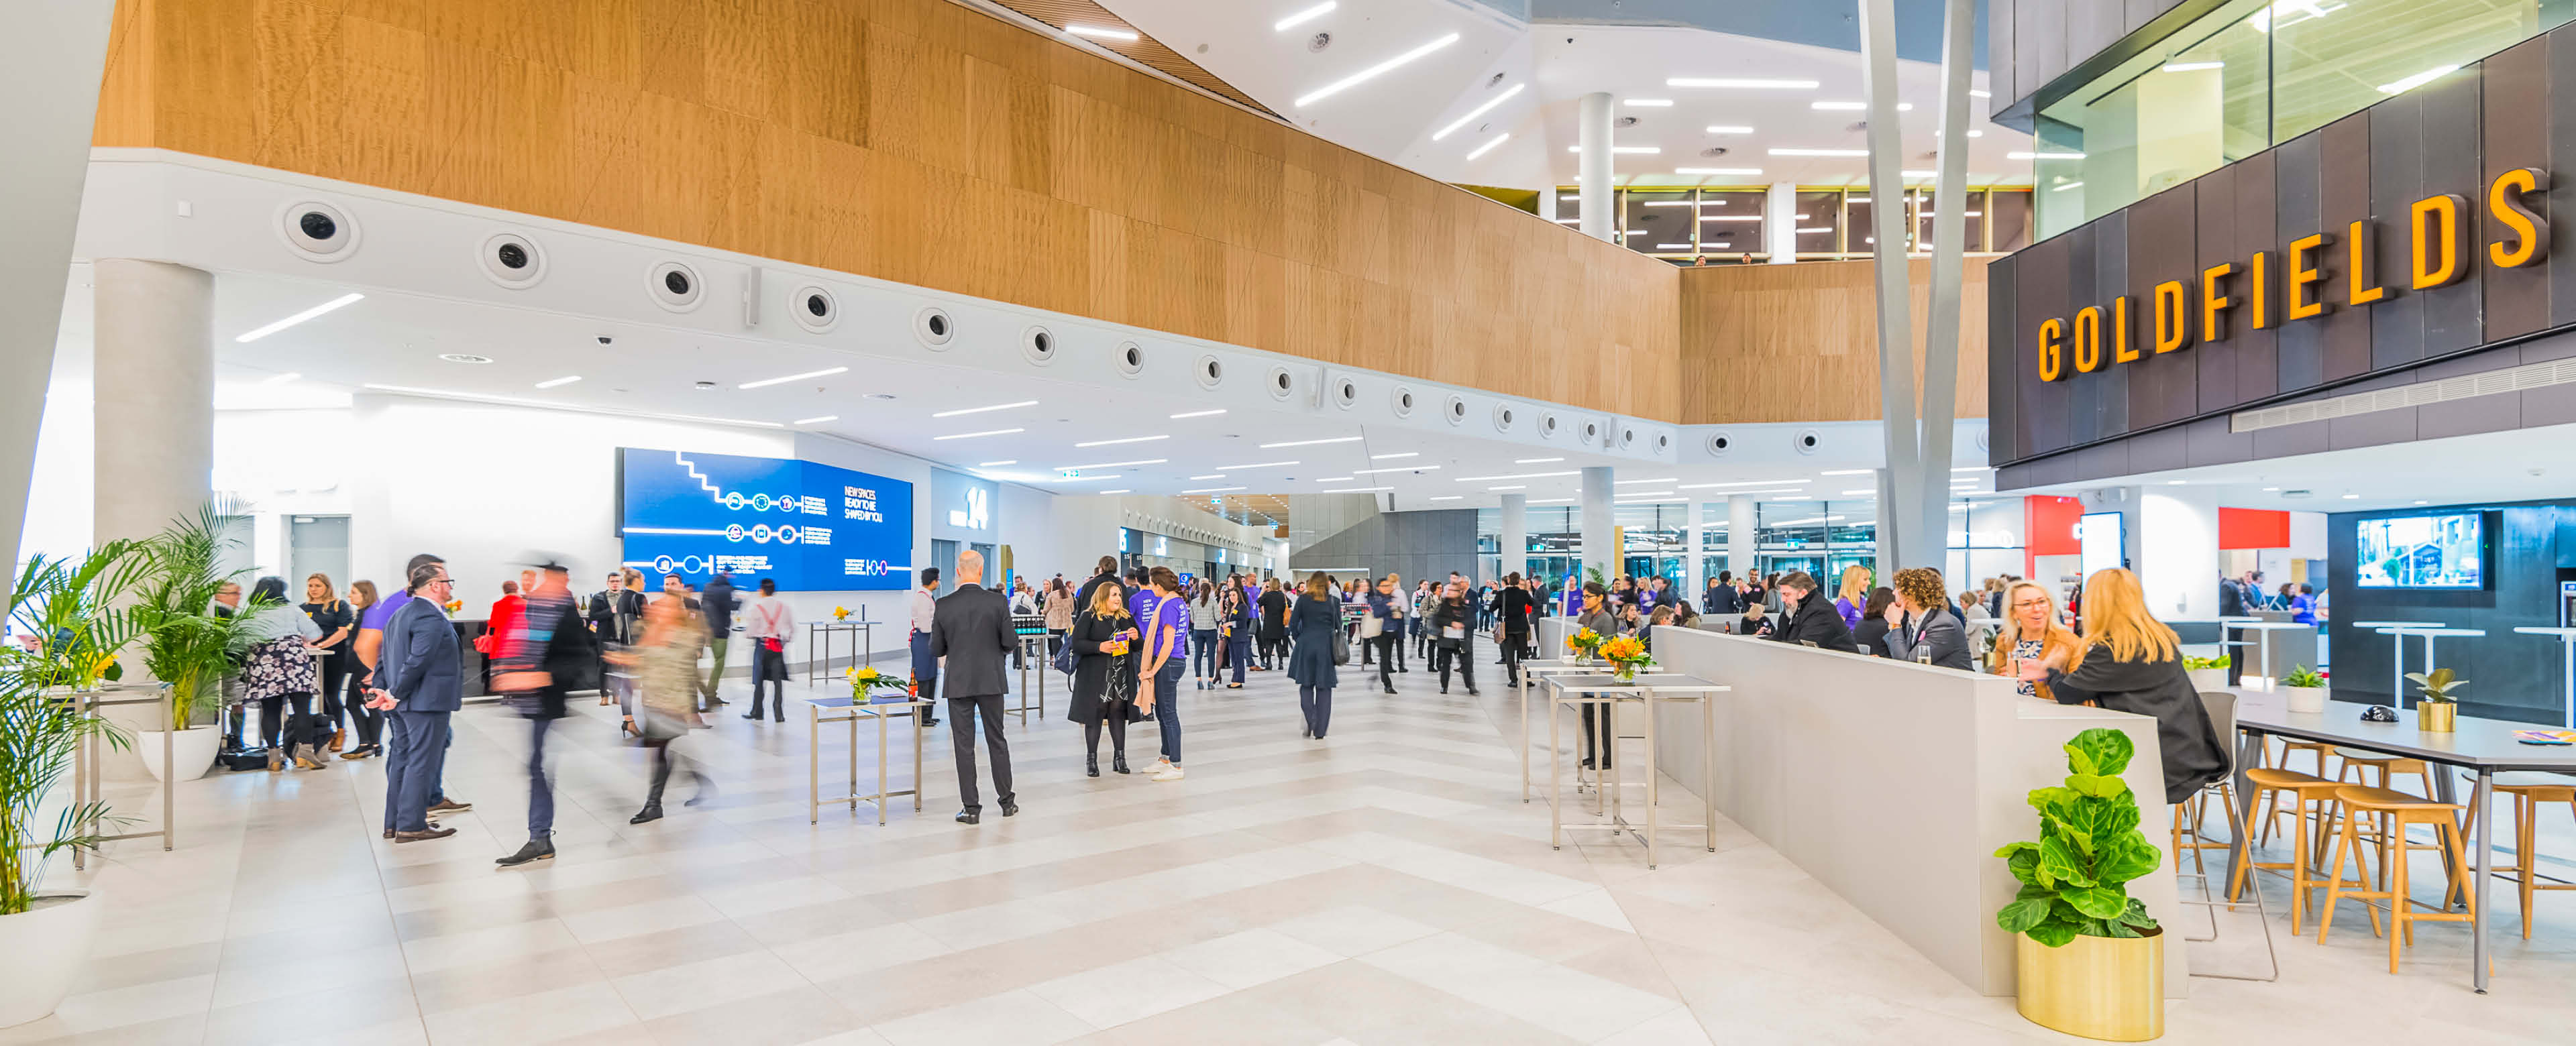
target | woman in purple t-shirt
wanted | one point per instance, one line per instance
(1165, 618)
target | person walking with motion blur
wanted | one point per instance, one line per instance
(1312, 624)
(665, 662)
(545, 649)
(1161, 613)
(1059, 615)
(770, 625)
(1384, 627)
(1104, 677)
(1453, 629)
(716, 603)
(1513, 609)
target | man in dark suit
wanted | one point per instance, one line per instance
(972, 629)
(2231, 603)
(421, 681)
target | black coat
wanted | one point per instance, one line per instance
(1082, 596)
(1871, 635)
(568, 651)
(1274, 616)
(1101, 679)
(1816, 621)
(971, 627)
(2192, 751)
(1514, 608)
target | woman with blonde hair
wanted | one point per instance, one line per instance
(2031, 632)
(2127, 661)
(1104, 676)
(1851, 597)
(666, 664)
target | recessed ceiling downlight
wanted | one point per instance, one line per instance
(676, 287)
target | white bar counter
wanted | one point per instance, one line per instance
(1894, 783)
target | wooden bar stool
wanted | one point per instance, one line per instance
(2304, 789)
(2356, 767)
(2528, 790)
(2320, 750)
(2397, 810)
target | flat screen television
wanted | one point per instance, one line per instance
(2437, 551)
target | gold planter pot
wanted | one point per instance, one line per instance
(2108, 988)
(2437, 717)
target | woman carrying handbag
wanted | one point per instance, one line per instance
(1317, 644)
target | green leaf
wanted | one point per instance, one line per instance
(2025, 867)
(2053, 933)
(2058, 861)
(2008, 850)
(2116, 928)
(2079, 760)
(2097, 902)
(2132, 857)
(2097, 786)
(2022, 915)
(2108, 750)
(2137, 915)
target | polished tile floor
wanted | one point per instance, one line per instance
(1382, 886)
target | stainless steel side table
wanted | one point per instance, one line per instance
(1531, 672)
(1609, 692)
(851, 710)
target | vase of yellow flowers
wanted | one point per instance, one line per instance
(1626, 655)
(869, 685)
(1585, 644)
(840, 613)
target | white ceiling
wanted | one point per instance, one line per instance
(2514, 465)
(1394, 116)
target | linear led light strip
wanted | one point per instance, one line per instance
(1112, 464)
(1519, 475)
(1624, 150)
(1744, 82)
(1489, 146)
(1374, 71)
(1310, 442)
(514, 401)
(767, 382)
(1099, 33)
(345, 299)
(975, 435)
(1305, 16)
(980, 410)
(1481, 110)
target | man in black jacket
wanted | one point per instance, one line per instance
(972, 629)
(1106, 575)
(1806, 619)
(2231, 603)
(539, 658)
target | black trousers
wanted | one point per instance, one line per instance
(335, 673)
(1463, 656)
(2236, 657)
(768, 667)
(962, 712)
(1512, 653)
(1590, 746)
(1389, 645)
(288, 719)
(369, 723)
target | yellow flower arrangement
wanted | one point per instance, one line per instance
(866, 678)
(840, 613)
(1627, 654)
(1584, 642)
(454, 605)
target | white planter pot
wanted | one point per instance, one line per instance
(42, 950)
(2208, 679)
(2306, 700)
(192, 751)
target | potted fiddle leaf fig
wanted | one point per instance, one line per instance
(2436, 710)
(2091, 960)
(2307, 689)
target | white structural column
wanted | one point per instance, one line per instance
(1514, 539)
(1592, 139)
(1930, 534)
(1599, 524)
(155, 394)
(1897, 545)
(1780, 222)
(1740, 537)
(52, 54)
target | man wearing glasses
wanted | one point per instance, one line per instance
(421, 681)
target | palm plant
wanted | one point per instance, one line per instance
(73, 630)
(188, 646)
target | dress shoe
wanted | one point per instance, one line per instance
(970, 817)
(1010, 808)
(1390, 690)
(751, 715)
(650, 812)
(432, 833)
(449, 806)
(1118, 763)
(1091, 765)
(535, 850)
(389, 833)
(360, 752)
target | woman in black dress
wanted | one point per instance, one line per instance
(1312, 624)
(1274, 624)
(338, 623)
(1104, 675)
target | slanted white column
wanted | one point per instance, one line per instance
(1899, 544)
(155, 395)
(1514, 540)
(1739, 535)
(1929, 532)
(51, 57)
(1780, 222)
(1592, 138)
(1599, 524)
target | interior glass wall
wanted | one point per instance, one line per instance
(1724, 225)
(2246, 77)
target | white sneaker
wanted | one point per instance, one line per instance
(1161, 763)
(1168, 772)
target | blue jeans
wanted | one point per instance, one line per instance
(1202, 653)
(1167, 712)
(541, 792)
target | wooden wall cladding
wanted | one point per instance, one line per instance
(1765, 343)
(2452, 136)
(915, 141)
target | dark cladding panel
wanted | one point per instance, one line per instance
(2083, 391)
(2301, 360)
(2161, 387)
(2002, 432)
(2215, 365)
(2113, 247)
(2516, 134)
(2041, 277)
(2257, 352)
(2452, 313)
(2561, 198)
(2000, 75)
(2396, 181)
(2343, 197)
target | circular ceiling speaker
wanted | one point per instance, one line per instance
(1131, 358)
(933, 328)
(317, 231)
(815, 309)
(675, 286)
(1403, 402)
(1037, 345)
(1211, 372)
(513, 261)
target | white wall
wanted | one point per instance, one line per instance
(2178, 552)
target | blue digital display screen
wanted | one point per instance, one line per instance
(809, 526)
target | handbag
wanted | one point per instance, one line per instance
(1372, 626)
(1341, 647)
(1065, 657)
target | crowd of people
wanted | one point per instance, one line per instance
(366, 676)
